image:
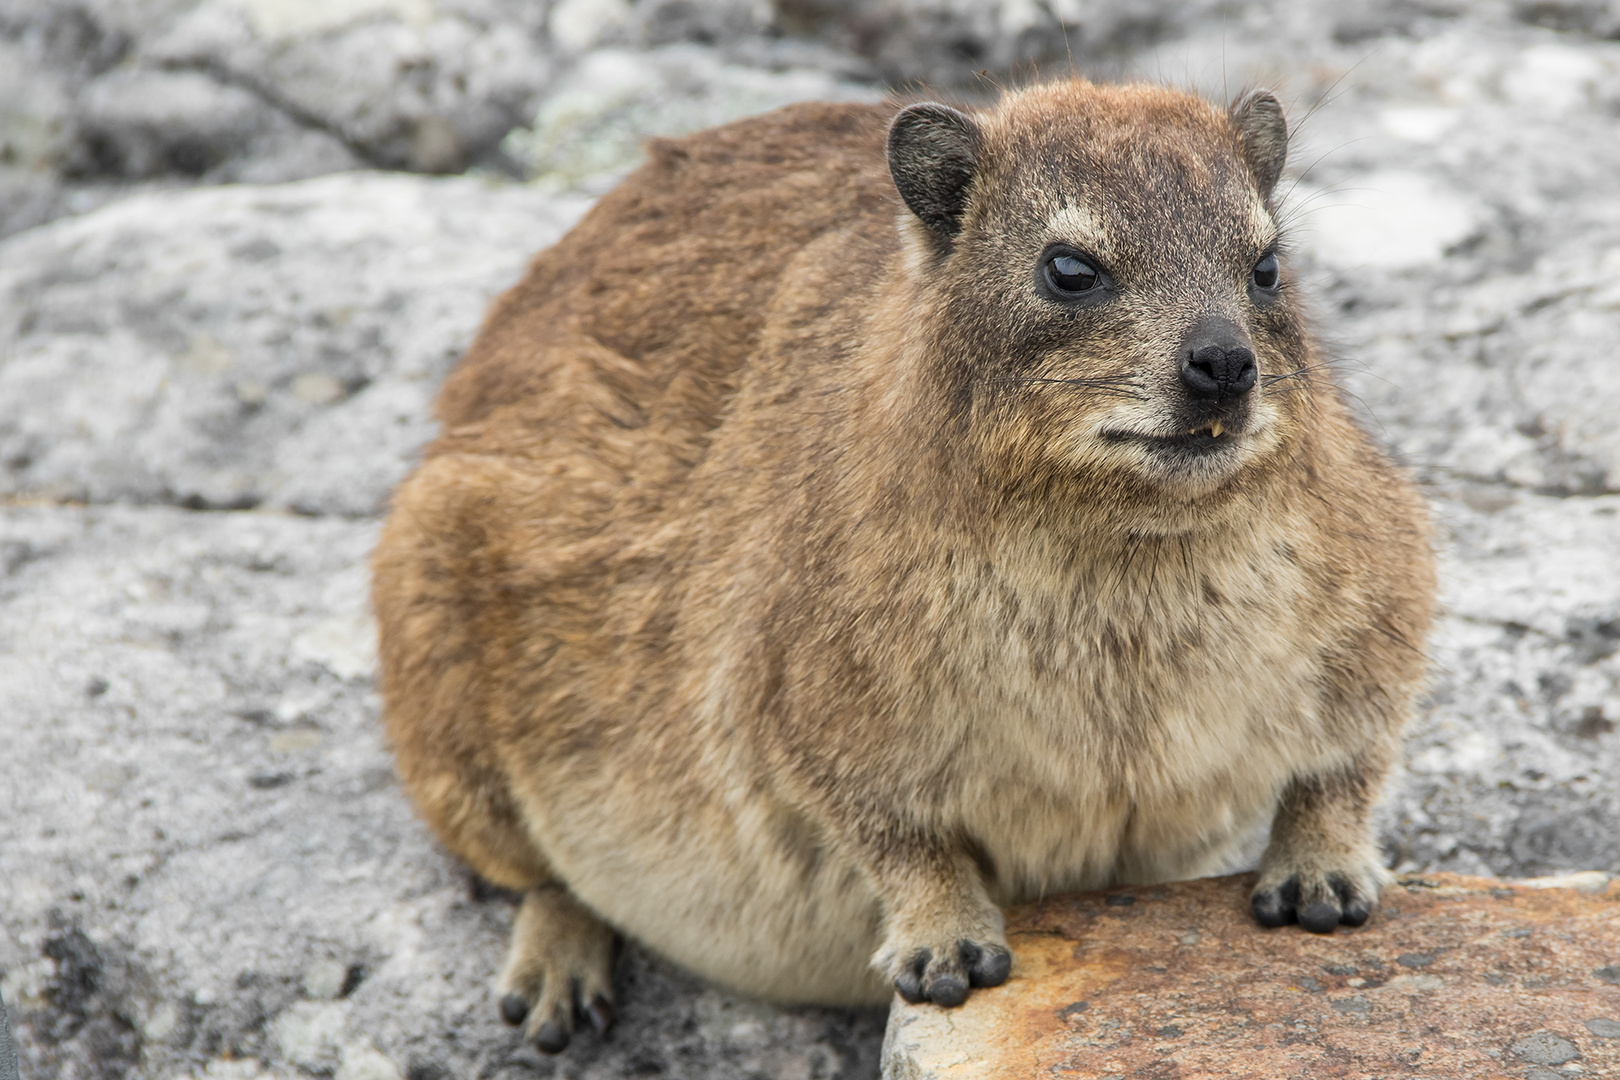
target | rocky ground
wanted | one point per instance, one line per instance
(230, 288)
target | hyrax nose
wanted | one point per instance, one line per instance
(1218, 368)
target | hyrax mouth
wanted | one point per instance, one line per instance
(1210, 437)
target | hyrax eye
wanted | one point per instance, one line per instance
(1265, 271)
(1070, 274)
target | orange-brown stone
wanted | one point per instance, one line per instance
(1454, 977)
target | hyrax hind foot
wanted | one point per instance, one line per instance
(559, 969)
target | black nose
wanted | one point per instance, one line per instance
(1219, 370)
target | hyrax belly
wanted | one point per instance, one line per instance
(727, 880)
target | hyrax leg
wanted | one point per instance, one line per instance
(1322, 867)
(559, 969)
(942, 935)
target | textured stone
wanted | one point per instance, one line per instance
(8, 1051)
(588, 131)
(1455, 976)
(942, 42)
(253, 90)
(244, 346)
(1545, 1048)
(99, 91)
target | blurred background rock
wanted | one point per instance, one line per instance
(246, 239)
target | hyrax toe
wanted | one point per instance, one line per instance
(987, 965)
(559, 971)
(514, 1008)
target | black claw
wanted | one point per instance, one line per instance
(1277, 907)
(1268, 908)
(514, 1010)
(576, 1003)
(948, 989)
(1355, 909)
(1319, 917)
(909, 982)
(600, 1014)
(552, 1038)
(909, 987)
(970, 954)
(986, 965)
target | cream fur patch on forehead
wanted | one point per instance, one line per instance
(1261, 224)
(1080, 225)
(1083, 226)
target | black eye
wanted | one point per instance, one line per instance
(1070, 274)
(1265, 272)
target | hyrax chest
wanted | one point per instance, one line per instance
(1134, 719)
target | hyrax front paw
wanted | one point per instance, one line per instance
(559, 970)
(944, 975)
(1318, 895)
(944, 966)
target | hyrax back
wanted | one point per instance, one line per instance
(863, 519)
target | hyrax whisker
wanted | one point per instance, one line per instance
(1124, 387)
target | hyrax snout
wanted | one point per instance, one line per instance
(868, 517)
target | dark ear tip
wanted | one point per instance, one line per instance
(929, 114)
(1261, 100)
(1260, 109)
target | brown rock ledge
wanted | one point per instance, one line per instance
(1454, 977)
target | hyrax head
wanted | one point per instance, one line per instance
(1099, 270)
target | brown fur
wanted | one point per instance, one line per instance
(775, 587)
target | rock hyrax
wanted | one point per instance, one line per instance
(867, 517)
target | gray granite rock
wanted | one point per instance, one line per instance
(588, 132)
(240, 346)
(206, 868)
(99, 93)
(8, 1049)
(254, 90)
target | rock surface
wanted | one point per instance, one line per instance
(244, 346)
(206, 393)
(1454, 977)
(98, 94)
(8, 1050)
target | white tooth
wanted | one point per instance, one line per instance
(1215, 429)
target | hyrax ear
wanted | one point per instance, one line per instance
(1262, 133)
(933, 154)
